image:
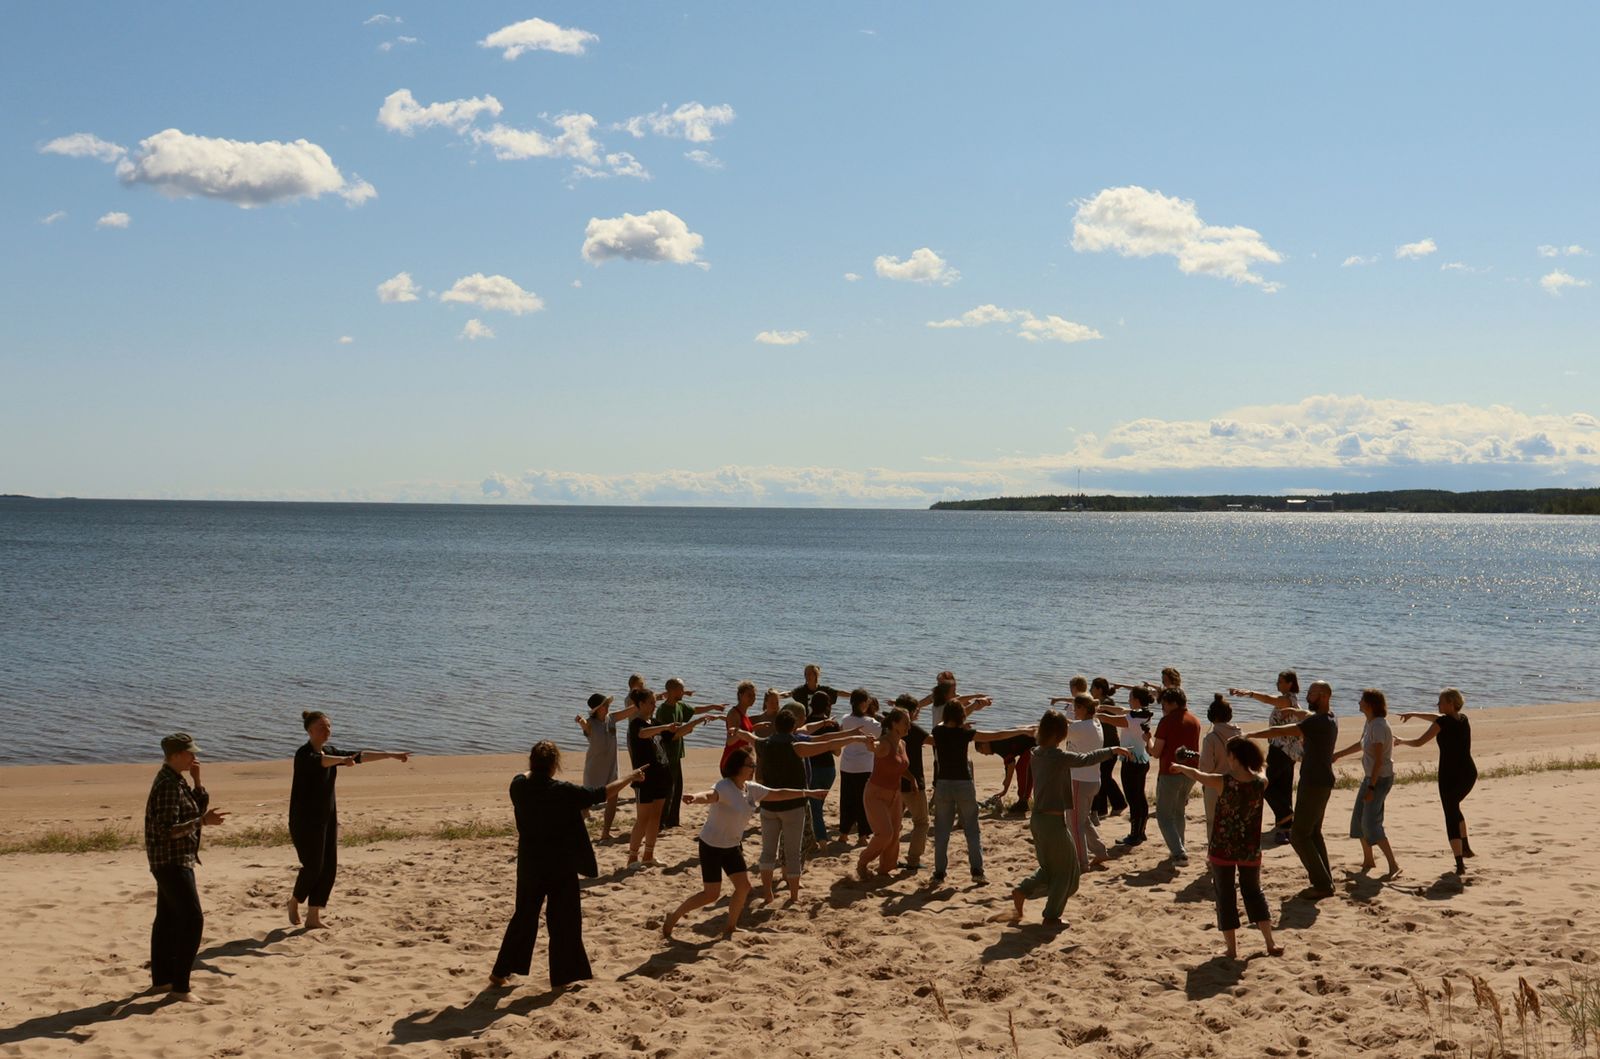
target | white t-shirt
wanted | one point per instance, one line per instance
(1377, 733)
(730, 814)
(1132, 736)
(857, 757)
(1083, 737)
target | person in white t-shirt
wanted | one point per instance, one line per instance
(1084, 736)
(855, 765)
(733, 802)
(1377, 777)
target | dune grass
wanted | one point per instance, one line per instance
(1571, 763)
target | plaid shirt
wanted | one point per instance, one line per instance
(172, 803)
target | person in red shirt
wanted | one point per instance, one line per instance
(1179, 730)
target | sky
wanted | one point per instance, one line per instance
(863, 254)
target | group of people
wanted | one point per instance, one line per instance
(778, 767)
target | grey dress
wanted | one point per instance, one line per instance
(600, 762)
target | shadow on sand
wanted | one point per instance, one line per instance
(471, 1018)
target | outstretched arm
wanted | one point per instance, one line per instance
(582, 723)
(384, 755)
(1210, 779)
(1285, 731)
(1433, 730)
(1353, 748)
(703, 798)
(1004, 733)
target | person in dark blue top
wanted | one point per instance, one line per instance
(314, 814)
(553, 849)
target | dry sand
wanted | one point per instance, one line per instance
(851, 969)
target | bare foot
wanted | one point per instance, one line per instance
(1368, 865)
(1393, 872)
(667, 925)
(1274, 950)
(1232, 954)
(1018, 898)
(863, 873)
(767, 895)
(187, 997)
(314, 922)
(294, 912)
(498, 980)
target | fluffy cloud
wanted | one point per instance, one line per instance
(493, 292)
(476, 329)
(345, 340)
(397, 42)
(241, 172)
(659, 235)
(382, 20)
(1136, 222)
(923, 266)
(1028, 326)
(51, 218)
(1462, 266)
(1420, 248)
(852, 277)
(1573, 250)
(703, 159)
(694, 122)
(85, 145)
(403, 114)
(576, 140)
(535, 34)
(398, 288)
(1356, 260)
(1555, 281)
(113, 220)
(620, 164)
(782, 338)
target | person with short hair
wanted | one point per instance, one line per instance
(1376, 747)
(1083, 737)
(733, 801)
(673, 710)
(1214, 751)
(1179, 730)
(823, 769)
(914, 784)
(954, 793)
(738, 720)
(553, 849)
(1234, 841)
(648, 751)
(1283, 752)
(314, 814)
(1457, 772)
(1319, 732)
(855, 765)
(805, 692)
(174, 815)
(1110, 801)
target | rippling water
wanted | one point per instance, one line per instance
(463, 629)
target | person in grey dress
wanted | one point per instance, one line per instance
(600, 760)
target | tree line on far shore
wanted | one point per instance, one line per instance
(1414, 501)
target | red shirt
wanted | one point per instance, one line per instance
(1175, 730)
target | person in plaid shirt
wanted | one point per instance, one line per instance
(173, 816)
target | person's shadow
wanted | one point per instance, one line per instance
(1297, 913)
(1019, 939)
(471, 1018)
(1164, 872)
(72, 1025)
(1217, 975)
(1199, 888)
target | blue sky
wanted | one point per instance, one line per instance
(1245, 248)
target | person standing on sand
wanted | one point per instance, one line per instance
(600, 760)
(314, 814)
(824, 770)
(174, 814)
(1318, 732)
(1084, 736)
(1214, 752)
(647, 750)
(914, 784)
(1179, 730)
(881, 798)
(673, 710)
(1283, 751)
(733, 801)
(553, 849)
(1377, 778)
(855, 765)
(1457, 772)
(1053, 798)
(738, 720)
(1234, 841)
(1110, 801)
(954, 792)
(1132, 724)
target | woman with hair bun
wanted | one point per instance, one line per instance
(314, 814)
(553, 849)
(1376, 748)
(1457, 772)
(1282, 751)
(734, 800)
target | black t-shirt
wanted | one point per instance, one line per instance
(1319, 732)
(916, 736)
(803, 694)
(551, 836)
(950, 753)
(1014, 746)
(778, 766)
(311, 796)
(648, 754)
(1455, 745)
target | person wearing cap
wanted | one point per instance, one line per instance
(600, 760)
(673, 710)
(314, 814)
(174, 814)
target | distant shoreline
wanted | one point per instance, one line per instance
(1399, 501)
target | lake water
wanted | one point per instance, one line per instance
(452, 629)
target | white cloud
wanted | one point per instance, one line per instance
(923, 266)
(51, 218)
(1136, 222)
(782, 338)
(694, 122)
(1356, 261)
(1028, 326)
(703, 159)
(746, 486)
(852, 277)
(535, 34)
(1574, 250)
(397, 42)
(620, 164)
(577, 284)
(576, 140)
(403, 114)
(476, 329)
(85, 145)
(659, 235)
(113, 220)
(345, 340)
(382, 20)
(398, 288)
(1420, 248)
(1555, 281)
(241, 172)
(493, 292)
(1462, 266)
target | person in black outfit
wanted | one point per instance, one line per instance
(553, 849)
(314, 814)
(1109, 800)
(174, 814)
(1457, 772)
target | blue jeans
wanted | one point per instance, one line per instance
(1366, 818)
(822, 776)
(1172, 798)
(949, 798)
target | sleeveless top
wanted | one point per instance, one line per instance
(745, 725)
(887, 769)
(1295, 748)
(1236, 831)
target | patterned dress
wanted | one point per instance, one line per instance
(1236, 834)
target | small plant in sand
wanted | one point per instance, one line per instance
(1449, 1005)
(1423, 1002)
(1577, 1005)
(1490, 1013)
(1529, 1010)
(944, 1013)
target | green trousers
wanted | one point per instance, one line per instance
(1059, 870)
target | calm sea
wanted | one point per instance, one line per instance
(449, 629)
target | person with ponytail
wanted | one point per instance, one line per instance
(1283, 752)
(1457, 772)
(314, 814)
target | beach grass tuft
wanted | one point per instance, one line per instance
(1571, 763)
(99, 840)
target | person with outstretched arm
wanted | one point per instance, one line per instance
(599, 727)
(1109, 801)
(1376, 747)
(1179, 730)
(1282, 752)
(174, 815)
(673, 710)
(954, 793)
(1457, 772)
(1132, 725)
(1318, 732)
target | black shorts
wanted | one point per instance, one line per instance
(715, 861)
(656, 786)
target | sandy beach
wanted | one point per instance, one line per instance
(894, 968)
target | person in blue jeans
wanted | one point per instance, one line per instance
(954, 793)
(823, 769)
(1377, 777)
